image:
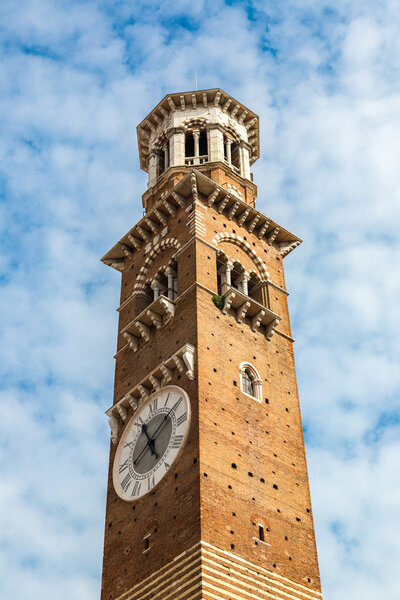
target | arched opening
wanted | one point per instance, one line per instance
(189, 145)
(196, 147)
(203, 146)
(255, 288)
(235, 155)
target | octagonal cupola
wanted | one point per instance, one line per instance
(194, 128)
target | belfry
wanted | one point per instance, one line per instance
(208, 494)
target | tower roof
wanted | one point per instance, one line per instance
(161, 117)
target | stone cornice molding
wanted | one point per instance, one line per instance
(215, 197)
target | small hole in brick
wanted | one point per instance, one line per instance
(278, 510)
(262, 479)
(110, 524)
(176, 475)
(266, 401)
(290, 558)
(194, 461)
(229, 487)
(205, 474)
(309, 580)
(234, 466)
(232, 546)
(250, 474)
(233, 514)
(235, 383)
(298, 519)
(287, 410)
(215, 370)
(274, 565)
(275, 486)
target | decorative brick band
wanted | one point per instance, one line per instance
(205, 572)
(233, 238)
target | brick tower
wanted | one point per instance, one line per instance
(208, 494)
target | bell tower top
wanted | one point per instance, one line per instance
(204, 127)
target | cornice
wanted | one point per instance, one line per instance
(198, 187)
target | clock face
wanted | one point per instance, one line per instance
(151, 442)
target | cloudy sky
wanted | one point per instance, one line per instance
(75, 79)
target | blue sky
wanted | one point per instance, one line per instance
(76, 78)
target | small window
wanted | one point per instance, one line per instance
(250, 381)
(261, 533)
(247, 382)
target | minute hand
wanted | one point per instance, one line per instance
(161, 425)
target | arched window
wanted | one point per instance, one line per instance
(250, 381)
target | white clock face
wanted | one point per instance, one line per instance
(151, 442)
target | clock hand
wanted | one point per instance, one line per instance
(149, 444)
(161, 425)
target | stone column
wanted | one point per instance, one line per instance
(152, 169)
(242, 283)
(171, 274)
(225, 272)
(196, 137)
(166, 156)
(156, 287)
(228, 143)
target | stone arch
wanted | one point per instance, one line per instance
(231, 131)
(233, 238)
(195, 123)
(154, 252)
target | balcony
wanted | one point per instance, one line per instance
(258, 316)
(196, 160)
(155, 316)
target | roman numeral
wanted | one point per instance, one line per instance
(150, 483)
(177, 441)
(139, 421)
(125, 483)
(124, 466)
(175, 407)
(181, 419)
(136, 488)
(167, 466)
(166, 399)
(153, 406)
(128, 444)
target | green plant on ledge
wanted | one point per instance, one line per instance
(219, 301)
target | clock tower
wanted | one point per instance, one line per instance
(208, 495)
